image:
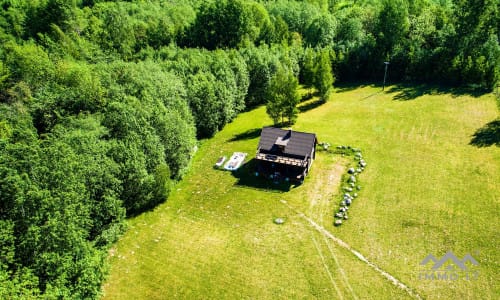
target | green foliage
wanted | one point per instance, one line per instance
(283, 97)
(211, 31)
(28, 62)
(322, 31)
(42, 15)
(307, 70)
(391, 27)
(58, 194)
(262, 63)
(298, 15)
(323, 76)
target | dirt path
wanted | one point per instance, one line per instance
(321, 206)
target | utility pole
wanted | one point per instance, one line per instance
(386, 63)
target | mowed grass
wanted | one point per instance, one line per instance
(425, 190)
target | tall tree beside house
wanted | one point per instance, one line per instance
(283, 97)
(323, 76)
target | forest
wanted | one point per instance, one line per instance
(102, 103)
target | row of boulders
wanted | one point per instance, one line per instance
(350, 183)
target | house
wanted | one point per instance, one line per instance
(285, 154)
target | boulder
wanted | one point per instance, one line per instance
(339, 215)
(351, 171)
(337, 222)
(279, 221)
(352, 179)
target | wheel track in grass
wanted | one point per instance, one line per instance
(320, 206)
(327, 269)
(323, 210)
(360, 256)
(341, 270)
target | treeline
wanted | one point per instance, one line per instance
(102, 102)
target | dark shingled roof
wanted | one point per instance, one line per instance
(299, 143)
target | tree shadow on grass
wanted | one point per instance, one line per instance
(488, 135)
(406, 92)
(246, 178)
(247, 135)
(349, 86)
(310, 105)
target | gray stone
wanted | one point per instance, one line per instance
(351, 171)
(352, 178)
(348, 202)
(339, 215)
(346, 217)
(359, 170)
(355, 195)
(279, 221)
(338, 222)
(358, 188)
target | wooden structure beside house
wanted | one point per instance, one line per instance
(285, 154)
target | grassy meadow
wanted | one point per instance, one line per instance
(432, 185)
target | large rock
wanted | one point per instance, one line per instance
(351, 171)
(338, 222)
(279, 221)
(352, 179)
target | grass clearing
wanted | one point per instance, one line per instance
(425, 190)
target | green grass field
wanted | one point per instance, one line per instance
(429, 187)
